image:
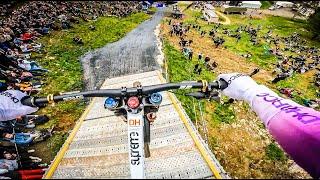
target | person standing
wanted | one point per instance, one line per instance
(199, 56)
(190, 55)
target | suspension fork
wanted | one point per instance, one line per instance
(147, 123)
(146, 130)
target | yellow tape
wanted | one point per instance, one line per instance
(204, 85)
(193, 135)
(50, 99)
(67, 143)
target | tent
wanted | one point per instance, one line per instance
(251, 4)
(208, 6)
(210, 15)
(145, 5)
(160, 4)
(284, 4)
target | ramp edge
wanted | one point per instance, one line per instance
(205, 152)
(65, 146)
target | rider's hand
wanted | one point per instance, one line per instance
(242, 87)
(11, 107)
(238, 85)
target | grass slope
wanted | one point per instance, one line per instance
(280, 26)
(61, 57)
(236, 135)
(176, 60)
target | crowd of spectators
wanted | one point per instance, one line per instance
(294, 55)
(20, 28)
(180, 30)
(6, 8)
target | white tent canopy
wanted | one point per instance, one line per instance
(209, 6)
(211, 13)
(251, 4)
(284, 4)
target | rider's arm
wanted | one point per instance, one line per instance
(296, 128)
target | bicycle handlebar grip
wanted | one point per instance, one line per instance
(223, 84)
(28, 101)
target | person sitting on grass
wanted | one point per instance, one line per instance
(92, 28)
(214, 64)
(9, 168)
(281, 76)
(78, 40)
(190, 55)
(287, 91)
(311, 103)
(200, 57)
(207, 59)
(19, 139)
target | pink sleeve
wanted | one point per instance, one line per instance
(296, 128)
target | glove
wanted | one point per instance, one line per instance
(242, 87)
(238, 85)
(11, 107)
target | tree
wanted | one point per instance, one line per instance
(314, 24)
(234, 3)
(310, 4)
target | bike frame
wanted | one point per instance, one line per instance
(136, 144)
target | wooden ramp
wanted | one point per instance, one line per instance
(97, 147)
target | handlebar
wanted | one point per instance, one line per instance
(122, 92)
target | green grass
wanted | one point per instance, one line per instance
(265, 4)
(303, 93)
(61, 58)
(176, 60)
(280, 26)
(224, 113)
(56, 142)
(274, 153)
(219, 113)
(152, 10)
(65, 69)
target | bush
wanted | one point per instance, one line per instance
(265, 4)
(314, 24)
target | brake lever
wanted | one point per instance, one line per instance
(212, 95)
(197, 95)
(215, 95)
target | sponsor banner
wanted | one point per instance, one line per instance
(136, 145)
